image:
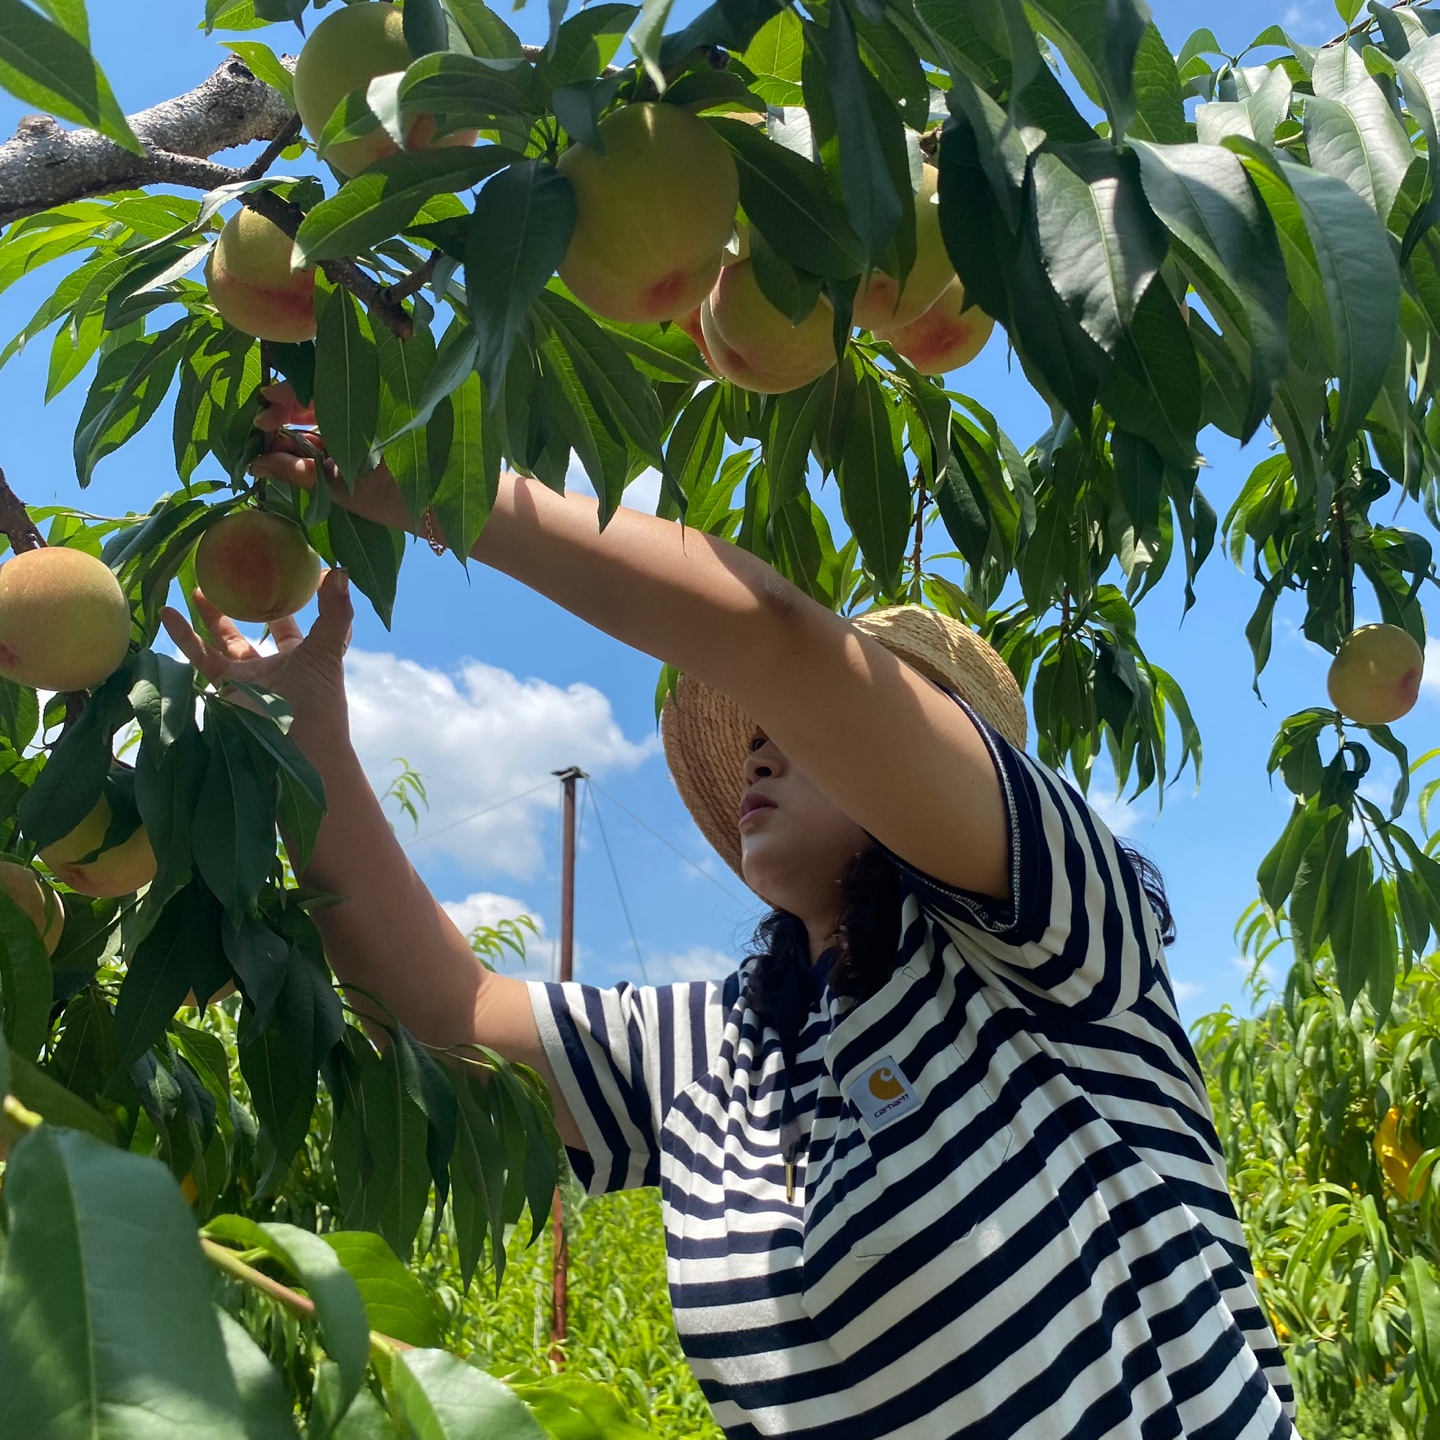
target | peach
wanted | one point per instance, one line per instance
(945, 337)
(654, 213)
(64, 621)
(344, 53)
(120, 870)
(754, 345)
(881, 302)
(254, 565)
(692, 326)
(252, 285)
(1375, 676)
(36, 899)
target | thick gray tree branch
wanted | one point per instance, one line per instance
(43, 165)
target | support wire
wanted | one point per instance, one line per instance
(619, 889)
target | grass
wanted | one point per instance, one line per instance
(622, 1330)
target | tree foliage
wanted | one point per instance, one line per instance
(1175, 245)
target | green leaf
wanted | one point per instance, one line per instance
(264, 1401)
(789, 430)
(397, 1304)
(1099, 240)
(19, 713)
(1358, 139)
(872, 202)
(1422, 1296)
(129, 385)
(70, 785)
(1099, 40)
(371, 553)
(586, 43)
(280, 1064)
(1420, 75)
(162, 697)
(44, 66)
(260, 959)
(25, 984)
(624, 400)
(1276, 876)
(379, 1153)
(645, 37)
(485, 32)
(347, 379)
(388, 195)
(405, 367)
(184, 944)
(785, 197)
(440, 1397)
(1159, 109)
(233, 838)
(730, 24)
(1357, 911)
(469, 482)
(264, 64)
(107, 1326)
(874, 488)
(1204, 198)
(425, 29)
(1362, 289)
(339, 1309)
(518, 235)
(774, 55)
(38, 1091)
(1153, 388)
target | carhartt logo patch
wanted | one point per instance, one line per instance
(880, 1094)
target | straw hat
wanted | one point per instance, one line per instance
(707, 735)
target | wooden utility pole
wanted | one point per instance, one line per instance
(560, 1280)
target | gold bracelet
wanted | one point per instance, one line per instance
(431, 538)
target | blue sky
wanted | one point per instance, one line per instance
(486, 688)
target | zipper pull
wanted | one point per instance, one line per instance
(789, 1179)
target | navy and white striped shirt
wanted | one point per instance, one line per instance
(1012, 1217)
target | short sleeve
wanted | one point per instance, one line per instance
(1078, 928)
(620, 1056)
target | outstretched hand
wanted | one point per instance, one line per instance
(297, 460)
(287, 458)
(307, 671)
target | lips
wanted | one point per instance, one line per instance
(753, 801)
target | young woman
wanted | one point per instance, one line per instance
(936, 1161)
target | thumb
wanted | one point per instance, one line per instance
(331, 630)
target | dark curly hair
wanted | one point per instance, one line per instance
(867, 934)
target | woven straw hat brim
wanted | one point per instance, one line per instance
(707, 735)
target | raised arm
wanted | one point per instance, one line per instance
(389, 936)
(894, 753)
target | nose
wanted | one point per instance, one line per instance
(763, 763)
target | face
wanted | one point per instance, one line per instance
(795, 842)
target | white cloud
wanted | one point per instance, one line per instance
(1431, 679)
(478, 738)
(1187, 990)
(700, 962)
(487, 908)
(642, 493)
(1120, 816)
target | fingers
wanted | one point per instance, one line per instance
(286, 632)
(287, 469)
(208, 662)
(331, 630)
(282, 408)
(232, 643)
